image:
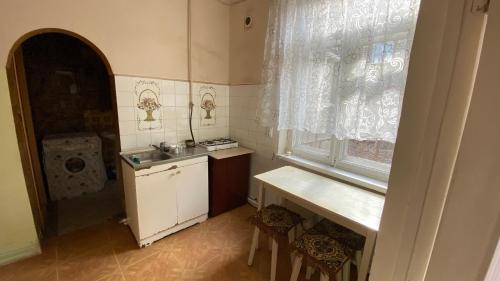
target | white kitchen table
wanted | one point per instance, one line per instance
(352, 207)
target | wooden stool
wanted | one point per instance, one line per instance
(345, 236)
(324, 252)
(280, 224)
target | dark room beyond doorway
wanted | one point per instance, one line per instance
(75, 129)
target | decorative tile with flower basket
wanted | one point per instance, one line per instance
(148, 107)
(208, 106)
(207, 103)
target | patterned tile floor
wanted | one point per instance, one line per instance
(214, 250)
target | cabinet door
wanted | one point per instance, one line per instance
(192, 191)
(156, 202)
(229, 180)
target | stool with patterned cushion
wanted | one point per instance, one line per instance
(321, 251)
(345, 236)
(280, 224)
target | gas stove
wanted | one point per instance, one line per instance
(217, 144)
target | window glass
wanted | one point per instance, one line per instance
(318, 142)
(377, 151)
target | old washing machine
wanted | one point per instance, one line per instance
(73, 164)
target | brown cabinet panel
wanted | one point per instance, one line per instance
(229, 181)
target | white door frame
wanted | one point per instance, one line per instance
(440, 78)
(470, 222)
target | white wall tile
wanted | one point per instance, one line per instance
(124, 98)
(181, 112)
(181, 100)
(221, 90)
(195, 124)
(168, 100)
(127, 127)
(169, 112)
(182, 124)
(157, 137)
(124, 84)
(139, 114)
(126, 113)
(196, 99)
(171, 137)
(221, 122)
(195, 88)
(221, 111)
(170, 124)
(221, 100)
(243, 127)
(181, 88)
(167, 87)
(222, 132)
(196, 111)
(206, 133)
(174, 114)
(144, 139)
(128, 142)
(183, 135)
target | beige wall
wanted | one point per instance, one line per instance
(247, 45)
(17, 232)
(145, 38)
(140, 38)
(210, 41)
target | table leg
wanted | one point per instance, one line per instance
(367, 255)
(274, 260)
(254, 246)
(261, 198)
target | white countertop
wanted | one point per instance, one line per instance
(230, 152)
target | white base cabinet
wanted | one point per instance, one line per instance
(165, 198)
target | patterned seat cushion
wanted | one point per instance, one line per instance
(341, 234)
(321, 250)
(276, 220)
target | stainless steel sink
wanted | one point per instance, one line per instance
(148, 157)
(145, 159)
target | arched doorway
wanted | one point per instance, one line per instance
(64, 107)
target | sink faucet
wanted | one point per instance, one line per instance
(162, 146)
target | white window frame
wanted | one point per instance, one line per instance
(337, 158)
(365, 167)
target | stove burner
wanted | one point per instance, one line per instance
(219, 143)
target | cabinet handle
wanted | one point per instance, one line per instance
(172, 168)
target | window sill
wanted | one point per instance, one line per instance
(363, 181)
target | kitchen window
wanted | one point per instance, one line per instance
(368, 158)
(334, 77)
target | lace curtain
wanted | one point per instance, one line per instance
(337, 67)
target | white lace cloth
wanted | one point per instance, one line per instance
(337, 66)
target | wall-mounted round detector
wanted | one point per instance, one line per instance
(248, 22)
